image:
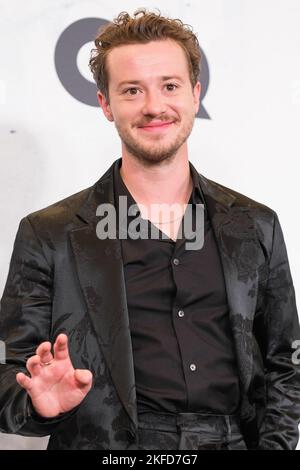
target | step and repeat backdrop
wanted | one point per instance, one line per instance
(56, 141)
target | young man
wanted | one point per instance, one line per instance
(155, 346)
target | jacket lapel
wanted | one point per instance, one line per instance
(241, 255)
(100, 271)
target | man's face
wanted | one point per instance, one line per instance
(149, 84)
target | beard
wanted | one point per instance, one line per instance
(156, 151)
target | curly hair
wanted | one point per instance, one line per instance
(143, 27)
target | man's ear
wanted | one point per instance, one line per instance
(197, 93)
(105, 106)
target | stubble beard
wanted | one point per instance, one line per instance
(155, 152)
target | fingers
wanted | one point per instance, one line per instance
(60, 347)
(24, 381)
(83, 377)
(44, 351)
(43, 355)
(33, 365)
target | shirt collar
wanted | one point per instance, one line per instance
(121, 189)
(197, 196)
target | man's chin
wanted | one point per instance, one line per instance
(151, 158)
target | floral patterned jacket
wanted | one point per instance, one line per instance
(63, 278)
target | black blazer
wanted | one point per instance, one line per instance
(62, 278)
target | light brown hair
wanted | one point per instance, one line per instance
(143, 27)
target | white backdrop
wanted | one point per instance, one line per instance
(53, 145)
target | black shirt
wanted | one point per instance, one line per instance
(183, 351)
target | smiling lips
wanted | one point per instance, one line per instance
(156, 126)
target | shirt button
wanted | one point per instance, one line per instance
(176, 261)
(193, 367)
(181, 313)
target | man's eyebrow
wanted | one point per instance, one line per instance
(137, 82)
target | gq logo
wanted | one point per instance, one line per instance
(68, 45)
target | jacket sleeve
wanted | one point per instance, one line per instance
(279, 428)
(25, 322)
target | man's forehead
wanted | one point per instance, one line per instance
(147, 57)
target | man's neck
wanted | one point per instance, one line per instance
(166, 183)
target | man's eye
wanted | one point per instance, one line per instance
(133, 91)
(130, 89)
(171, 85)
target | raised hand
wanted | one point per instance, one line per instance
(54, 386)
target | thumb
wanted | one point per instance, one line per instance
(83, 377)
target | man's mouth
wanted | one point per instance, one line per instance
(157, 126)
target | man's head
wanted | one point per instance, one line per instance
(147, 69)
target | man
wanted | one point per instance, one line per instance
(154, 346)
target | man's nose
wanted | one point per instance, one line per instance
(154, 104)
